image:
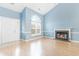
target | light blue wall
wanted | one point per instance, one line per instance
(62, 16)
(9, 13)
(26, 22)
(22, 21)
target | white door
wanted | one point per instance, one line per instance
(10, 29)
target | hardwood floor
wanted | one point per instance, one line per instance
(40, 47)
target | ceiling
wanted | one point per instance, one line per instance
(41, 8)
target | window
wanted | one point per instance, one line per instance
(36, 25)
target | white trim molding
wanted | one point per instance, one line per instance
(75, 32)
(75, 41)
(33, 38)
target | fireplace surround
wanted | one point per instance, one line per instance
(62, 34)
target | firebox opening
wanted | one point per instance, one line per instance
(63, 35)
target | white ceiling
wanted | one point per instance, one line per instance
(41, 8)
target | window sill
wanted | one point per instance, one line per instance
(36, 34)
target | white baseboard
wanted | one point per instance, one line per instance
(33, 38)
(36, 38)
(9, 43)
(75, 41)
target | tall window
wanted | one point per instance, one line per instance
(36, 25)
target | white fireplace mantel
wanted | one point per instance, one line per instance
(63, 29)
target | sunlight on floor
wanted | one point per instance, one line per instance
(36, 49)
(17, 51)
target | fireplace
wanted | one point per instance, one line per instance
(62, 34)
